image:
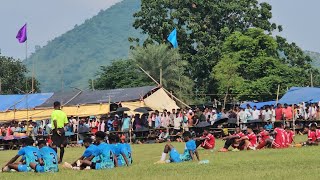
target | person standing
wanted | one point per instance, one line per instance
(58, 120)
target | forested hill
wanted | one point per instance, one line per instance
(77, 55)
(315, 56)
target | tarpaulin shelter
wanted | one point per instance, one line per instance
(22, 101)
(297, 95)
(259, 105)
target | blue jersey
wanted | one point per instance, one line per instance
(50, 159)
(190, 146)
(117, 150)
(124, 150)
(31, 155)
(105, 155)
(129, 152)
(90, 151)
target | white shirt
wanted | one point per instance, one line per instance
(267, 115)
(177, 122)
(256, 114)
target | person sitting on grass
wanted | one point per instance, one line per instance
(119, 150)
(189, 153)
(249, 141)
(232, 140)
(29, 153)
(163, 137)
(89, 153)
(263, 137)
(49, 157)
(312, 137)
(105, 159)
(290, 136)
(206, 141)
(279, 140)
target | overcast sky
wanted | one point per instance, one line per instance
(48, 19)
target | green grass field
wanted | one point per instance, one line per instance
(292, 163)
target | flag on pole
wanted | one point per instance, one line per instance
(22, 34)
(172, 38)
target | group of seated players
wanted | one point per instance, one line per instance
(101, 155)
(280, 137)
(98, 155)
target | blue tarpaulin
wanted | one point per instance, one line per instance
(297, 95)
(258, 104)
(22, 101)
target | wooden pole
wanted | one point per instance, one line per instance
(161, 76)
(0, 86)
(163, 87)
(293, 120)
(278, 91)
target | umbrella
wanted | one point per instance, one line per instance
(232, 121)
(220, 121)
(122, 109)
(255, 121)
(141, 110)
(203, 124)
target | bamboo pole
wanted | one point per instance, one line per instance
(311, 79)
(278, 91)
(163, 87)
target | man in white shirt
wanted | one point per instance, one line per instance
(266, 114)
(255, 113)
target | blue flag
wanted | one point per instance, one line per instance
(173, 38)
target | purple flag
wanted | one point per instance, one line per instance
(22, 34)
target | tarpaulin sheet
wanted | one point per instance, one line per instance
(259, 105)
(297, 95)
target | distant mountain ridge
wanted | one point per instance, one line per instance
(76, 56)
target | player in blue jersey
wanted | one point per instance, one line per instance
(189, 153)
(105, 157)
(128, 147)
(89, 153)
(30, 154)
(49, 158)
(119, 150)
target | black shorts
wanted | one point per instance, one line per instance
(93, 165)
(57, 139)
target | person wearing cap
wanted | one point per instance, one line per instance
(58, 120)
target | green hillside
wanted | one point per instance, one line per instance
(315, 56)
(77, 55)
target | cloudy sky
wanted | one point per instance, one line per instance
(48, 19)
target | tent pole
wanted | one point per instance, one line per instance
(293, 120)
(163, 87)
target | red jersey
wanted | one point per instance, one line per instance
(240, 134)
(312, 136)
(252, 138)
(209, 143)
(264, 135)
(318, 134)
(279, 139)
(290, 136)
(278, 114)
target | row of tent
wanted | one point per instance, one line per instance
(82, 103)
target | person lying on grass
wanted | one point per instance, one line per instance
(29, 153)
(89, 153)
(189, 153)
(49, 157)
(232, 140)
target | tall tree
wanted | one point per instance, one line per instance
(120, 74)
(202, 28)
(256, 67)
(160, 60)
(13, 77)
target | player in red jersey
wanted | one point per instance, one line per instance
(249, 141)
(233, 140)
(290, 136)
(264, 138)
(279, 137)
(312, 136)
(207, 140)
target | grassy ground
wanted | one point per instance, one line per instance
(292, 163)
